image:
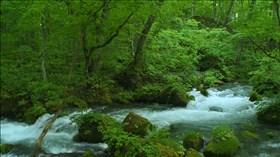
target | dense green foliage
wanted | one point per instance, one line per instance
(57, 54)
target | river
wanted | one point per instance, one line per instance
(228, 105)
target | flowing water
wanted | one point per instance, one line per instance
(228, 105)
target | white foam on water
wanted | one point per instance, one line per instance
(57, 140)
(219, 106)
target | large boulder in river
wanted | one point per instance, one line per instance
(135, 124)
(89, 123)
(270, 114)
(193, 140)
(223, 143)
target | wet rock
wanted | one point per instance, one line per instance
(193, 140)
(254, 96)
(88, 130)
(88, 154)
(135, 124)
(270, 114)
(5, 148)
(249, 134)
(216, 109)
(223, 143)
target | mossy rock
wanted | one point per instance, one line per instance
(88, 154)
(33, 113)
(5, 148)
(135, 124)
(248, 134)
(270, 114)
(272, 134)
(193, 140)
(89, 123)
(166, 151)
(179, 98)
(193, 153)
(254, 96)
(223, 143)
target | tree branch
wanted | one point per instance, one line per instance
(115, 34)
(263, 50)
(43, 134)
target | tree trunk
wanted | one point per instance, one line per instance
(276, 11)
(229, 11)
(43, 49)
(37, 147)
(193, 7)
(139, 50)
(215, 10)
(251, 7)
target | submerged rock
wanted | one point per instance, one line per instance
(223, 143)
(251, 135)
(193, 140)
(216, 109)
(5, 148)
(135, 124)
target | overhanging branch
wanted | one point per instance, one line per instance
(263, 50)
(115, 34)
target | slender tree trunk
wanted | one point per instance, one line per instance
(251, 7)
(139, 49)
(215, 10)
(43, 49)
(221, 7)
(229, 11)
(276, 11)
(38, 144)
(193, 7)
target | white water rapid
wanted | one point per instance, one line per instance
(57, 141)
(220, 106)
(228, 105)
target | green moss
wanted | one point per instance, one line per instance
(33, 113)
(88, 154)
(193, 153)
(5, 148)
(137, 125)
(88, 130)
(193, 140)
(272, 134)
(254, 96)
(223, 143)
(249, 134)
(270, 113)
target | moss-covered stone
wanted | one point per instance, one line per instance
(270, 114)
(33, 113)
(5, 148)
(88, 130)
(223, 143)
(135, 124)
(193, 140)
(272, 134)
(248, 134)
(88, 154)
(193, 153)
(254, 96)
